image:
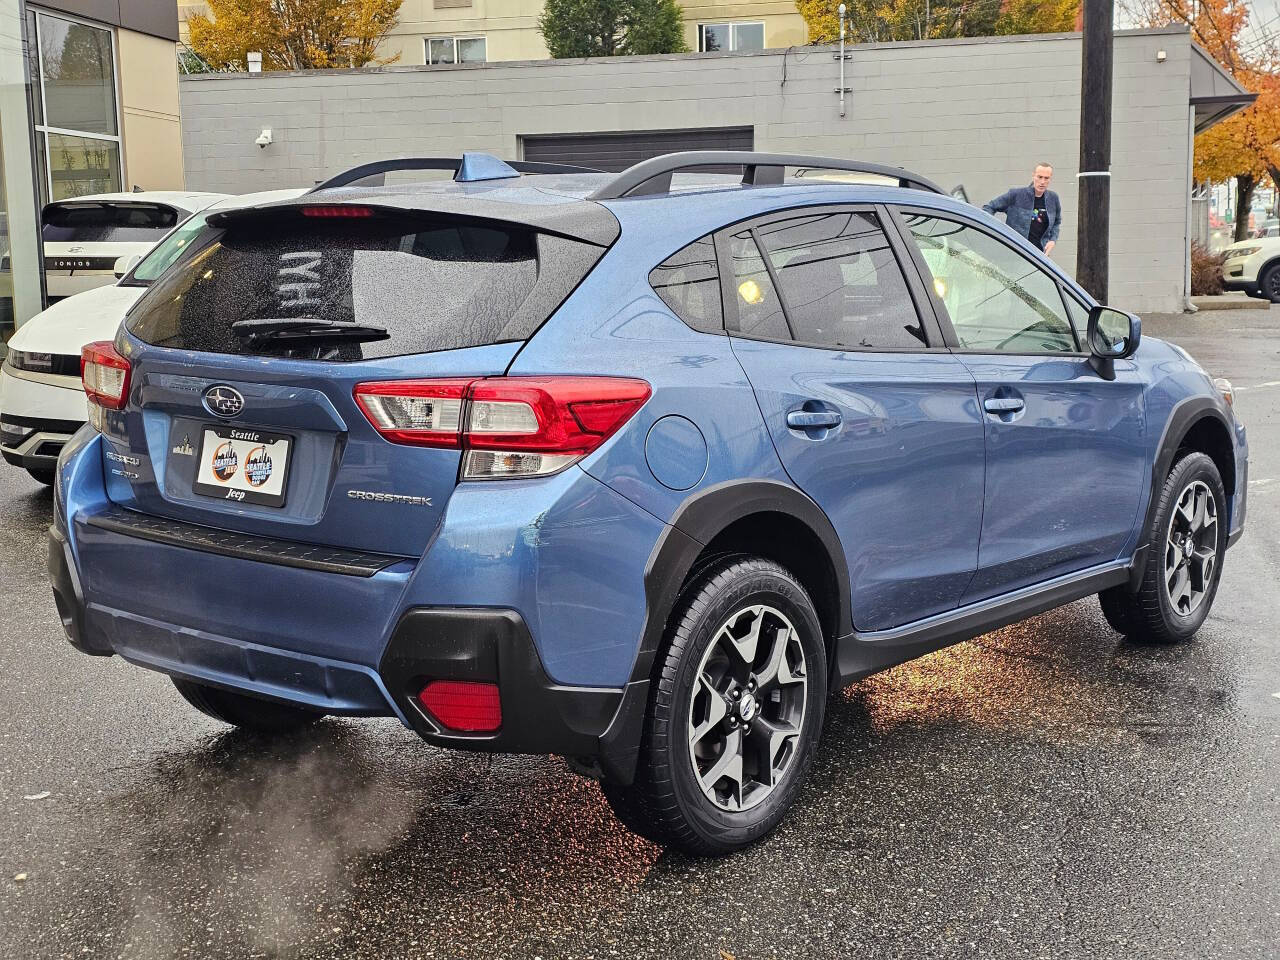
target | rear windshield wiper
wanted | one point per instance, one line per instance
(310, 329)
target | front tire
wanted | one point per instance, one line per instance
(735, 711)
(241, 710)
(1184, 563)
(1269, 283)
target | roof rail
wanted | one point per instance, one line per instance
(379, 167)
(758, 169)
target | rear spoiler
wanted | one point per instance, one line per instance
(574, 219)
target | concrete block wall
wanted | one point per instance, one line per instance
(979, 112)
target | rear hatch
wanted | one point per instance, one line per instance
(245, 356)
(89, 235)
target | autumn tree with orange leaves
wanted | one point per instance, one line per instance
(294, 34)
(1247, 145)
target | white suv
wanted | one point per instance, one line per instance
(85, 236)
(1254, 267)
(42, 400)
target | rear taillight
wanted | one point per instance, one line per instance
(506, 426)
(105, 375)
(464, 705)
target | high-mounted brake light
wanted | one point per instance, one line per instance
(506, 426)
(105, 375)
(336, 210)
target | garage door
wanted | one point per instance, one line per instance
(617, 151)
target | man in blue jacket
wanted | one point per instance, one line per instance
(1033, 211)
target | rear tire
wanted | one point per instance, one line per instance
(42, 475)
(240, 710)
(1184, 563)
(734, 714)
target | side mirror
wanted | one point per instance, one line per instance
(125, 264)
(1113, 335)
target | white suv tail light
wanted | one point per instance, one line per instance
(505, 426)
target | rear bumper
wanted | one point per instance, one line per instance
(538, 715)
(339, 633)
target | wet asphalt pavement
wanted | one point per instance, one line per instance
(1048, 790)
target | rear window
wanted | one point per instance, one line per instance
(413, 285)
(95, 222)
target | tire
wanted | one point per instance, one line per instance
(1269, 283)
(710, 636)
(1179, 582)
(241, 710)
(42, 475)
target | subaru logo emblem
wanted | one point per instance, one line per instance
(223, 401)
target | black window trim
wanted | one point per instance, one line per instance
(935, 342)
(926, 277)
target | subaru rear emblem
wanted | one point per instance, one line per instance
(223, 401)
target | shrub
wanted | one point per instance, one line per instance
(1206, 271)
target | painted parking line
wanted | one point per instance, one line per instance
(1259, 386)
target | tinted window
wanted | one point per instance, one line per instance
(430, 284)
(759, 311)
(689, 283)
(997, 299)
(841, 282)
(97, 222)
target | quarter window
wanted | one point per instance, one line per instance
(730, 36)
(689, 283)
(1079, 317)
(997, 299)
(457, 50)
(841, 283)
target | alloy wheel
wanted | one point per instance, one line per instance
(747, 709)
(1191, 548)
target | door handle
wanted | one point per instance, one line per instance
(812, 419)
(1002, 404)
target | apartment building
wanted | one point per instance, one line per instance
(490, 31)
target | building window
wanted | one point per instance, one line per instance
(73, 103)
(457, 50)
(730, 36)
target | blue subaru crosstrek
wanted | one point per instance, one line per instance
(630, 468)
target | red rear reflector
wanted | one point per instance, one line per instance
(463, 705)
(104, 374)
(336, 210)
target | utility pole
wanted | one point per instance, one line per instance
(1094, 221)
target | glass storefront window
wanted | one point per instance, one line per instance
(79, 166)
(79, 76)
(73, 103)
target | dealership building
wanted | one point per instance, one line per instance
(88, 104)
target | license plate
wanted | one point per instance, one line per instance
(244, 466)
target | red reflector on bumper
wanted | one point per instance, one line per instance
(463, 705)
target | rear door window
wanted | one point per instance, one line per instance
(413, 282)
(841, 283)
(107, 222)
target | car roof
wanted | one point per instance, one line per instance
(561, 202)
